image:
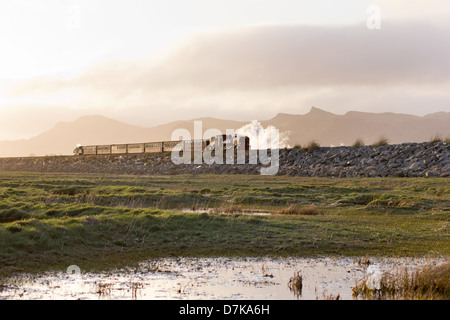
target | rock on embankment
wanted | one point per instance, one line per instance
(402, 160)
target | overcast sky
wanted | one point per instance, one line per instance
(149, 62)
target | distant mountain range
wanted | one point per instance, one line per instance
(324, 127)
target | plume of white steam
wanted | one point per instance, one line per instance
(261, 137)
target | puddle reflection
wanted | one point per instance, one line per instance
(204, 278)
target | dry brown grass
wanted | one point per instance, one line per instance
(382, 141)
(428, 283)
(358, 143)
(295, 283)
(296, 210)
(312, 145)
(229, 208)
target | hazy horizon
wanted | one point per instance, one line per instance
(147, 63)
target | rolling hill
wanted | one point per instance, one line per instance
(324, 127)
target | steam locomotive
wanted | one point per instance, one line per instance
(221, 141)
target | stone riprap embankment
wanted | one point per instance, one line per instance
(401, 160)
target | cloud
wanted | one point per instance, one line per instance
(261, 70)
(432, 11)
(271, 56)
(265, 57)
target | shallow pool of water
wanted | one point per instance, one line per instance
(204, 278)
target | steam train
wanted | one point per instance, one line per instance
(221, 141)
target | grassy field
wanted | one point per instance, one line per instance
(50, 221)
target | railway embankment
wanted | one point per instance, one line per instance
(428, 159)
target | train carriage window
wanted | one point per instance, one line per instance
(90, 150)
(172, 145)
(121, 148)
(153, 147)
(103, 149)
(136, 148)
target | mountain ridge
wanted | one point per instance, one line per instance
(325, 127)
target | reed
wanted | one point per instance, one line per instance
(427, 283)
(295, 283)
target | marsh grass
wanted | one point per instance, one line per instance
(295, 283)
(382, 141)
(104, 289)
(358, 143)
(108, 220)
(295, 209)
(311, 146)
(330, 296)
(436, 138)
(135, 288)
(228, 208)
(430, 282)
